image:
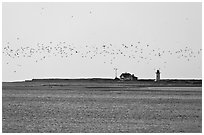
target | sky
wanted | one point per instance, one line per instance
(89, 40)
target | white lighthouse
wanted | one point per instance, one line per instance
(157, 76)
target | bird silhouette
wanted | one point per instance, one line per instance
(64, 50)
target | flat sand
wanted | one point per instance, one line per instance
(81, 107)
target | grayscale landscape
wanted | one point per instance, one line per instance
(102, 67)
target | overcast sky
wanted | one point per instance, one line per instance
(81, 40)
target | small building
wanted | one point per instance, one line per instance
(116, 78)
(127, 76)
(157, 76)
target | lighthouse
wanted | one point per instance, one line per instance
(157, 76)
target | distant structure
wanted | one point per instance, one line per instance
(157, 76)
(116, 78)
(127, 77)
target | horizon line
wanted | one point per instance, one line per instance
(102, 78)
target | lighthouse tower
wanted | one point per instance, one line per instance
(157, 76)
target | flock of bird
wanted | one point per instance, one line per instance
(139, 52)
